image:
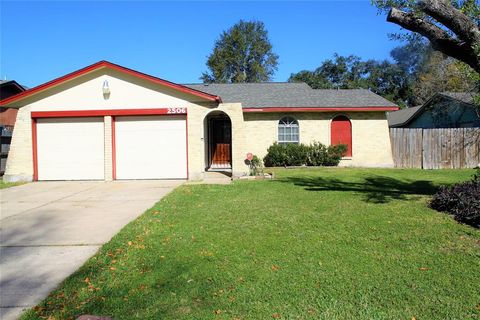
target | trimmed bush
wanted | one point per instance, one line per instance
(335, 154)
(288, 154)
(315, 154)
(460, 200)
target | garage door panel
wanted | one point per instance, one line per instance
(151, 147)
(70, 149)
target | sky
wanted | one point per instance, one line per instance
(40, 40)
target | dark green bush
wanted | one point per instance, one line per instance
(334, 154)
(315, 154)
(289, 154)
(297, 154)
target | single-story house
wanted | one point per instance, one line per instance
(107, 122)
(442, 110)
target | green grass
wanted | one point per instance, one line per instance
(4, 185)
(313, 244)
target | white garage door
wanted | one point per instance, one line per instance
(151, 147)
(70, 149)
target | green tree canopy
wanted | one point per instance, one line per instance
(242, 54)
(415, 73)
(385, 78)
(439, 72)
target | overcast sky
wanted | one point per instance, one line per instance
(44, 40)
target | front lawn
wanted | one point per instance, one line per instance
(313, 244)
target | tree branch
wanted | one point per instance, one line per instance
(438, 37)
(452, 18)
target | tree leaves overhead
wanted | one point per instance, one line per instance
(416, 73)
(440, 73)
(385, 78)
(242, 54)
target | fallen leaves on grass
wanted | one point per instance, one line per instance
(276, 316)
(206, 253)
(275, 268)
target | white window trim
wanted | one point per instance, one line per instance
(293, 124)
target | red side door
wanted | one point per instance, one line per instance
(341, 133)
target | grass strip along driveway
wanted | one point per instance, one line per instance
(313, 244)
(4, 185)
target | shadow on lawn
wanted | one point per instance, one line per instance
(375, 189)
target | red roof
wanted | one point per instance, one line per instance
(112, 66)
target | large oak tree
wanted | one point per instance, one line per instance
(242, 54)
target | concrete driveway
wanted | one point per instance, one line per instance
(49, 229)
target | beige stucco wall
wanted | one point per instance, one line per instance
(127, 92)
(370, 135)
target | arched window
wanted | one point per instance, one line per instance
(288, 130)
(341, 133)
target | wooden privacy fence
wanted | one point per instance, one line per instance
(449, 148)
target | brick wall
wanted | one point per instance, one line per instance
(370, 136)
(20, 159)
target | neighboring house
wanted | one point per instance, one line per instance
(443, 110)
(107, 122)
(8, 88)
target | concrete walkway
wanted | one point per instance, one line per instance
(49, 229)
(213, 177)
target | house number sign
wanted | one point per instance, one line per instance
(177, 110)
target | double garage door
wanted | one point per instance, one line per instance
(143, 147)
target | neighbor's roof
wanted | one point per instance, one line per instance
(466, 97)
(402, 117)
(286, 94)
(12, 82)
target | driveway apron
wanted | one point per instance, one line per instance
(49, 229)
